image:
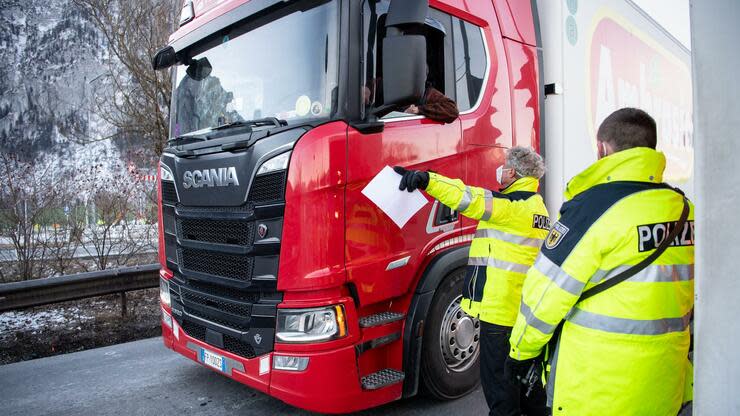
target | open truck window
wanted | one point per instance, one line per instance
(440, 66)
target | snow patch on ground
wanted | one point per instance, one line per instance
(68, 317)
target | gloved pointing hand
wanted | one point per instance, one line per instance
(412, 179)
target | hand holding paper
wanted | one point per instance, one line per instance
(399, 205)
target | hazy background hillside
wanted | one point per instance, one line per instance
(82, 122)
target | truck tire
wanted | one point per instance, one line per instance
(450, 353)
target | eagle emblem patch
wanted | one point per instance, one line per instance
(557, 232)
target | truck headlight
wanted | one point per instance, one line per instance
(165, 174)
(164, 292)
(279, 162)
(311, 325)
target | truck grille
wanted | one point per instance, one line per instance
(267, 188)
(231, 266)
(210, 247)
(215, 303)
(224, 291)
(231, 344)
(216, 231)
(169, 194)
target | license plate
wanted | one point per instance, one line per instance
(212, 360)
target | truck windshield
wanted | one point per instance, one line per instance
(286, 68)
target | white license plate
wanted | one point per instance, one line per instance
(212, 360)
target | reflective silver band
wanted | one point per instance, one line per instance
(534, 321)
(651, 274)
(558, 276)
(498, 263)
(511, 238)
(488, 197)
(467, 198)
(628, 326)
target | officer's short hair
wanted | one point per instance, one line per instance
(525, 161)
(627, 128)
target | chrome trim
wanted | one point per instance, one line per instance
(431, 228)
(396, 264)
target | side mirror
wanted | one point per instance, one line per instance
(404, 54)
(404, 69)
(164, 58)
(199, 69)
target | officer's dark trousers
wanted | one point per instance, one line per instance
(504, 398)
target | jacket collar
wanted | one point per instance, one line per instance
(639, 164)
(527, 184)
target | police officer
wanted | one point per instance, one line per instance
(622, 351)
(513, 225)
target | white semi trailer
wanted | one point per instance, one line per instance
(600, 56)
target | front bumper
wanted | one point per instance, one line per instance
(329, 384)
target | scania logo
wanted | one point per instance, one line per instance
(210, 178)
(262, 230)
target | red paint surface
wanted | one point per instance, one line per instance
(525, 103)
(312, 254)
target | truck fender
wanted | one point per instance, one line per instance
(442, 265)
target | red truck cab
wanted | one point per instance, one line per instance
(276, 270)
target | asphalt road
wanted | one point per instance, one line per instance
(144, 378)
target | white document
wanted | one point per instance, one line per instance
(399, 205)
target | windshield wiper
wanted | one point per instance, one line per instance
(194, 137)
(260, 122)
(250, 124)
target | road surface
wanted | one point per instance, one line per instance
(145, 378)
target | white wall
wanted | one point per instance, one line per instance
(715, 38)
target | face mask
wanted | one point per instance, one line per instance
(500, 174)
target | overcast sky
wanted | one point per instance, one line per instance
(671, 14)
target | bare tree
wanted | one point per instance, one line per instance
(28, 193)
(114, 237)
(61, 245)
(134, 98)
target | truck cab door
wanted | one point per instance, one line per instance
(382, 259)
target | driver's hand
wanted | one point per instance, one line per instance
(412, 109)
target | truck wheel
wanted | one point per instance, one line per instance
(450, 353)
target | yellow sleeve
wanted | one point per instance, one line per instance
(470, 201)
(554, 285)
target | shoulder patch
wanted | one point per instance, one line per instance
(541, 222)
(557, 232)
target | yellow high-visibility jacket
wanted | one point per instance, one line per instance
(623, 351)
(513, 225)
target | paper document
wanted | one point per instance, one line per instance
(399, 205)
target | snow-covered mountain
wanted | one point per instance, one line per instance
(51, 59)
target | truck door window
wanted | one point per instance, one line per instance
(471, 63)
(439, 55)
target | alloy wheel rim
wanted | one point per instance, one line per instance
(459, 337)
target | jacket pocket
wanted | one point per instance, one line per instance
(475, 279)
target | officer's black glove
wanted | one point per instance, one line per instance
(515, 371)
(412, 179)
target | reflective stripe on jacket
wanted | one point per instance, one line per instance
(623, 351)
(512, 227)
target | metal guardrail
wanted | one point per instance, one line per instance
(40, 292)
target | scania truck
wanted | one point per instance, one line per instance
(277, 271)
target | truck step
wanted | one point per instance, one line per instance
(382, 378)
(380, 319)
